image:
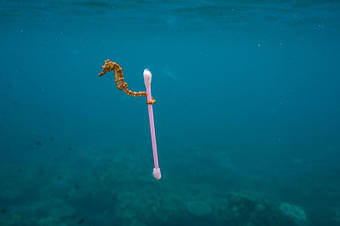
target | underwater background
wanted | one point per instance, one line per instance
(246, 114)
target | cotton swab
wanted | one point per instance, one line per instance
(147, 80)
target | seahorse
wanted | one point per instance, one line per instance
(119, 80)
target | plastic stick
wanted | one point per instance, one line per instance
(147, 80)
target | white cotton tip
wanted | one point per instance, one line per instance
(147, 77)
(157, 173)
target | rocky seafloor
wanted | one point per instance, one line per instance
(88, 186)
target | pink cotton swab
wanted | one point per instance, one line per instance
(122, 85)
(147, 80)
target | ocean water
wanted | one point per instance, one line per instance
(246, 114)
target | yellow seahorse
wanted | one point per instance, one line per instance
(119, 80)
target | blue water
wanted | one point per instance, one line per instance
(246, 114)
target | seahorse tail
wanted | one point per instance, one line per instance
(134, 94)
